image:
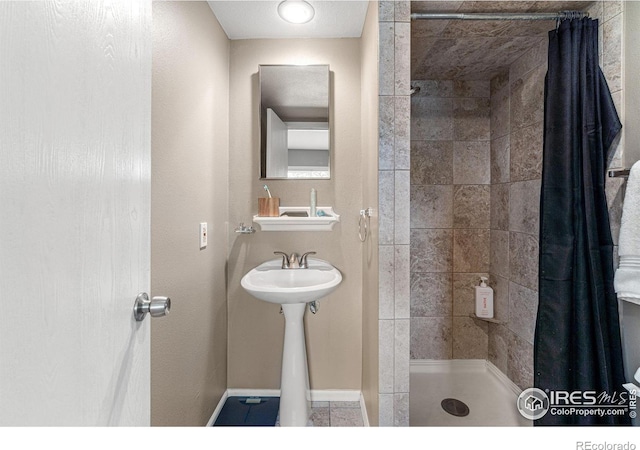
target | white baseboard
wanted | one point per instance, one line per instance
(325, 395)
(505, 380)
(447, 365)
(363, 408)
(216, 411)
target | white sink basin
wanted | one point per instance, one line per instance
(293, 289)
(271, 283)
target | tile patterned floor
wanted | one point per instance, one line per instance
(334, 414)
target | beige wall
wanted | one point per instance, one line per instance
(189, 185)
(369, 102)
(256, 329)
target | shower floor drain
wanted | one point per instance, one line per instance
(455, 407)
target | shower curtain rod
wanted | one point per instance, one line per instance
(501, 16)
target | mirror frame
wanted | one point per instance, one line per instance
(262, 131)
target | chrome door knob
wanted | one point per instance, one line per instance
(156, 307)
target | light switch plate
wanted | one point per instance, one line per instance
(203, 235)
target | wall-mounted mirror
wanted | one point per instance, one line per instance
(294, 122)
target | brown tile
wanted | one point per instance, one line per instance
(472, 89)
(433, 88)
(484, 28)
(344, 404)
(435, 6)
(431, 294)
(523, 308)
(500, 253)
(402, 207)
(501, 6)
(526, 153)
(431, 162)
(402, 11)
(431, 338)
(386, 64)
(386, 11)
(471, 162)
(524, 207)
(499, 82)
(386, 205)
(500, 286)
(500, 155)
(402, 70)
(560, 5)
(527, 99)
(346, 417)
(615, 190)
(431, 206)
(401, 409)
(520, 361)
(431, 250)
(535, 57)
(500, 206)
(595, 10)
(401, 129)
(471, 206)
(470, 338)
(472, 119)
(471, 250)
(612, 52)
(498, 346)
(611, 8)
(428, 28)
(431, 119)
(320, 416)
(523, 259)
(500, 113)
(386, 133)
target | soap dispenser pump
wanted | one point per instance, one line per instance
(484, 300)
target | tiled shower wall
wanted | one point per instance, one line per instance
(450, 217)
(476, 162)
(517, 113)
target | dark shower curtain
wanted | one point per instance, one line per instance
(577, 340)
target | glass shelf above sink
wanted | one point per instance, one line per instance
(296, 218)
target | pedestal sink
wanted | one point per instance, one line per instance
(293, 289)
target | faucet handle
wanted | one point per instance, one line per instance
(294, 262)
(303, 260)
(285, 259)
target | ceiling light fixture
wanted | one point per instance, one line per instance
(296, 11)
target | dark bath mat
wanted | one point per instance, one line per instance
(248, 412)
(455, 407)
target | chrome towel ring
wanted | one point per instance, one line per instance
(364, 223)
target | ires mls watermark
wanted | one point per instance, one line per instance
(534, 403)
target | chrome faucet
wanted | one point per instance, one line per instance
(293, 261)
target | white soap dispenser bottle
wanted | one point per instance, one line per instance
(312, 201)
(484, 300)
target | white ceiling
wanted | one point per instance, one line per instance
(245, 19)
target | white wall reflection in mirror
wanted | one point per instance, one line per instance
(295, 139)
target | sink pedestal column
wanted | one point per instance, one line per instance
(295, 403)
